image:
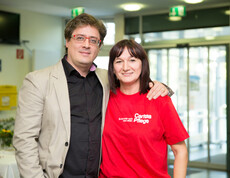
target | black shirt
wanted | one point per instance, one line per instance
(85, 95)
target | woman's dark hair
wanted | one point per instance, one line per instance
(83, 20)
(135, 50)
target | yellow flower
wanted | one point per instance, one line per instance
(6, 131)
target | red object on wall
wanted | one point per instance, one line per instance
(20, 54)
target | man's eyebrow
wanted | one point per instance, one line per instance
(86, 35)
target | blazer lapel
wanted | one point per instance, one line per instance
(103, 78)
(61, 87)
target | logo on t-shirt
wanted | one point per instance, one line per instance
(138, 118)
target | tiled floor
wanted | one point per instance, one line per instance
(218, 156)
(203, 173)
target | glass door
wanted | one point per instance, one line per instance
(217, 106)
(197, 75)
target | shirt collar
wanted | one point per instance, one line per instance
(69, 68)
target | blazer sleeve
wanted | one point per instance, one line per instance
(28, 126)
(171, 92)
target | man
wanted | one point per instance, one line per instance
(61, 109)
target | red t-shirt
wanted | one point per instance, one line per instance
(136, 134)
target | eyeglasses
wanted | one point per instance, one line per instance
(82, 38)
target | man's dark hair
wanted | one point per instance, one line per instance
(84, 20)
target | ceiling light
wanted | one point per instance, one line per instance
(193, 1)
(227, 12)
(132, 7)
(210, 37)
(175, 18)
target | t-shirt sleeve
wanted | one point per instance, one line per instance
(174, 129)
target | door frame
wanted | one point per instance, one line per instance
(198, 43)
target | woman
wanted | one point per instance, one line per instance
(137, 131)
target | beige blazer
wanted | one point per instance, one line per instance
(42, 126)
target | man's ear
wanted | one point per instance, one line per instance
(66, 43)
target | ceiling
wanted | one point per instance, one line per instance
(103, 8)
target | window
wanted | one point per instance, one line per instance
(110, 37)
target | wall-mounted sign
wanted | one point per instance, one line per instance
(77, 11)
(20, 54)
(177, 11)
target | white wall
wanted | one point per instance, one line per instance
(44, 32)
